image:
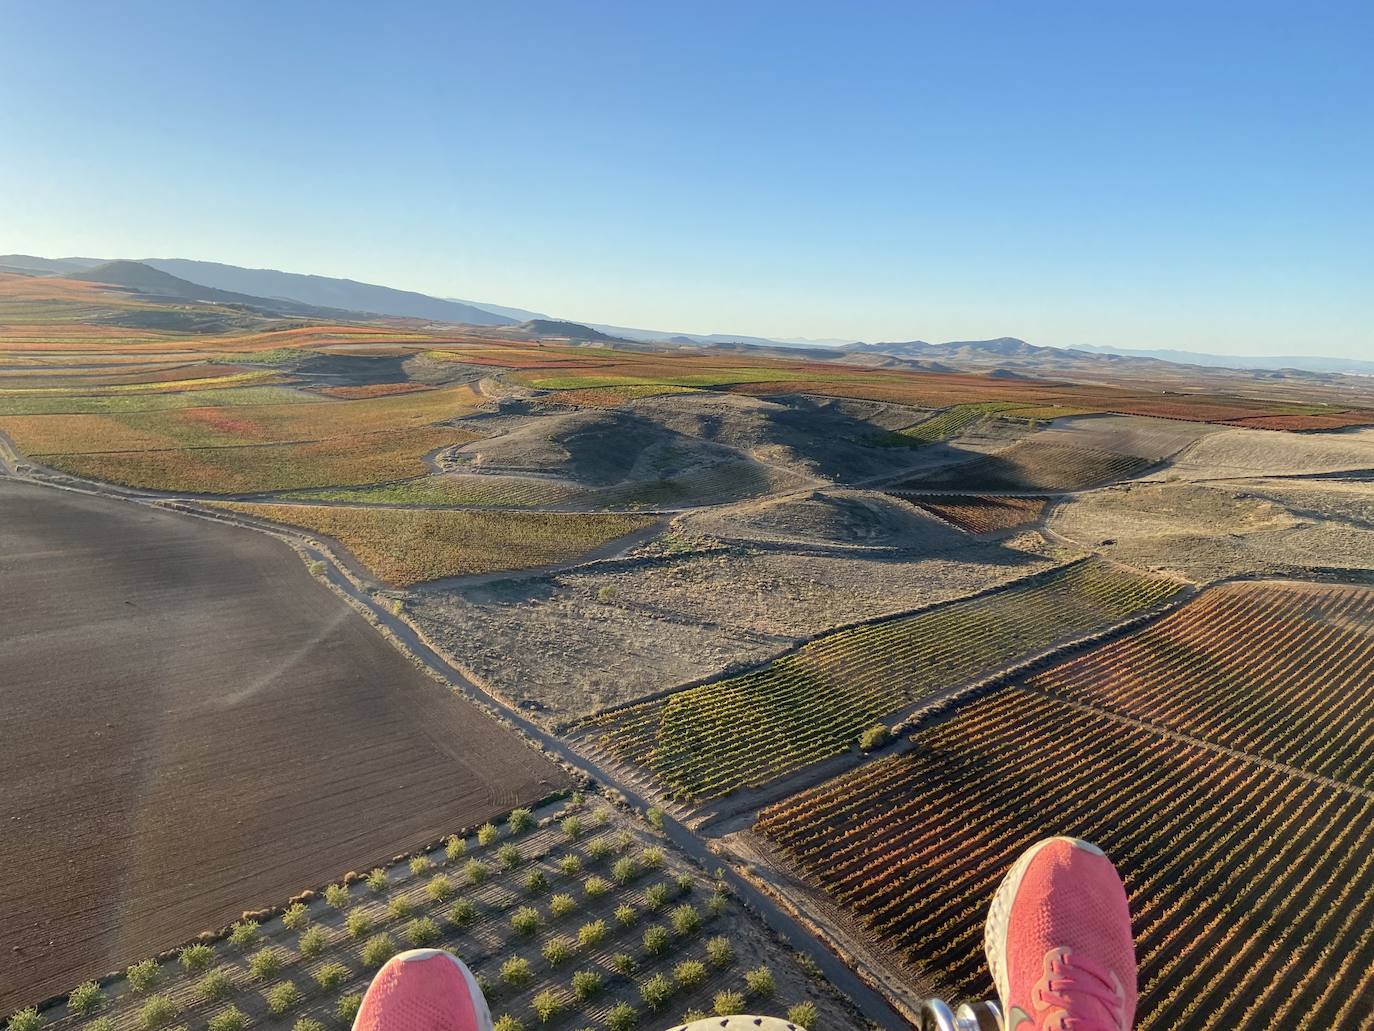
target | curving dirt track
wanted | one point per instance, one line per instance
(191, 725)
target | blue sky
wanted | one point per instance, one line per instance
(1134, 175)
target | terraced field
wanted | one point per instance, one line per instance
(706, 741)
(1252, 888)
(1032, 465)
(407, 546)
(979, 513)
(569, 916)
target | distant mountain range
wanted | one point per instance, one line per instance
(294, 293)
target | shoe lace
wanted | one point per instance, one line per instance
(1078, 994)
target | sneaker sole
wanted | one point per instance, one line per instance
(479, 1001)
(999, 913)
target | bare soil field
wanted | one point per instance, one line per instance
(1138, 436)
(1216, 530)
(1248, 453)
(682, 608)
(1034, 465)
(831, 518)
(976, 513)
(192, 725)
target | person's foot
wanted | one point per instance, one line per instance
(423, 990)
(1058, 941)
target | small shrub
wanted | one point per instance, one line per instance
(623, 963)
(655, 817)
(519, 821)
(295, 917)
(156, 1012)
(358, 923)
(803, 1014)
(686, 920)
(25, 1020)
(719, 952)
(652, 857)
(684, 883)
(727, 1004)
(230, 1018)
(525, 920)
(455, 848)
(196, 958)
(265, 963)
(378, 881)
(330, 975)
(570, 865)
(585, 984)
(100, 1024)
(337, 895)
(715, 905)
(420, 865)
(598, 849)
(346, 1009)
(655, 940)
(595, 886)
(592, 934)
(689, 973)
(474, 871)
(605, 594)
(507, 1023)
(215, 985)
(86, 998)
(656, 991)
(144, 974)
(625, 914)
(316, 567)
(508, 856)
(516, 972)
(625, 870)
(378, 949)
(692, 1015)
(422, 933)
(874, 737)
(547, 1005)
(655, 896)
(440, 888)
(621, 1017)
(486, 834)
(462, 913)
(283, 997)
(400, 907)
(623, 840)
(558, 950)
(535, 882)
(307, 1024)
(312, 942)
(562, 904)
(573, 827)
(760, 981)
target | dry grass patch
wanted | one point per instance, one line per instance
(407, 546)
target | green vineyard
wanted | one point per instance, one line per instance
(812, 704)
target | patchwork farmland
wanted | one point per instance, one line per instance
(1249, 860)
(744, 731)
(827, 595)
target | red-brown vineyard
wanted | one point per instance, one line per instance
(1251, 882)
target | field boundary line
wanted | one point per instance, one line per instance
(1197, 742)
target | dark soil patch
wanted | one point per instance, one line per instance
(192, 724)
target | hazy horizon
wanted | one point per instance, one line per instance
(1170, 178)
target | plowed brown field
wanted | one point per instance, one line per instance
(193, 725)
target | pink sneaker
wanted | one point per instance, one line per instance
(1058, 941)
(423, 990)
